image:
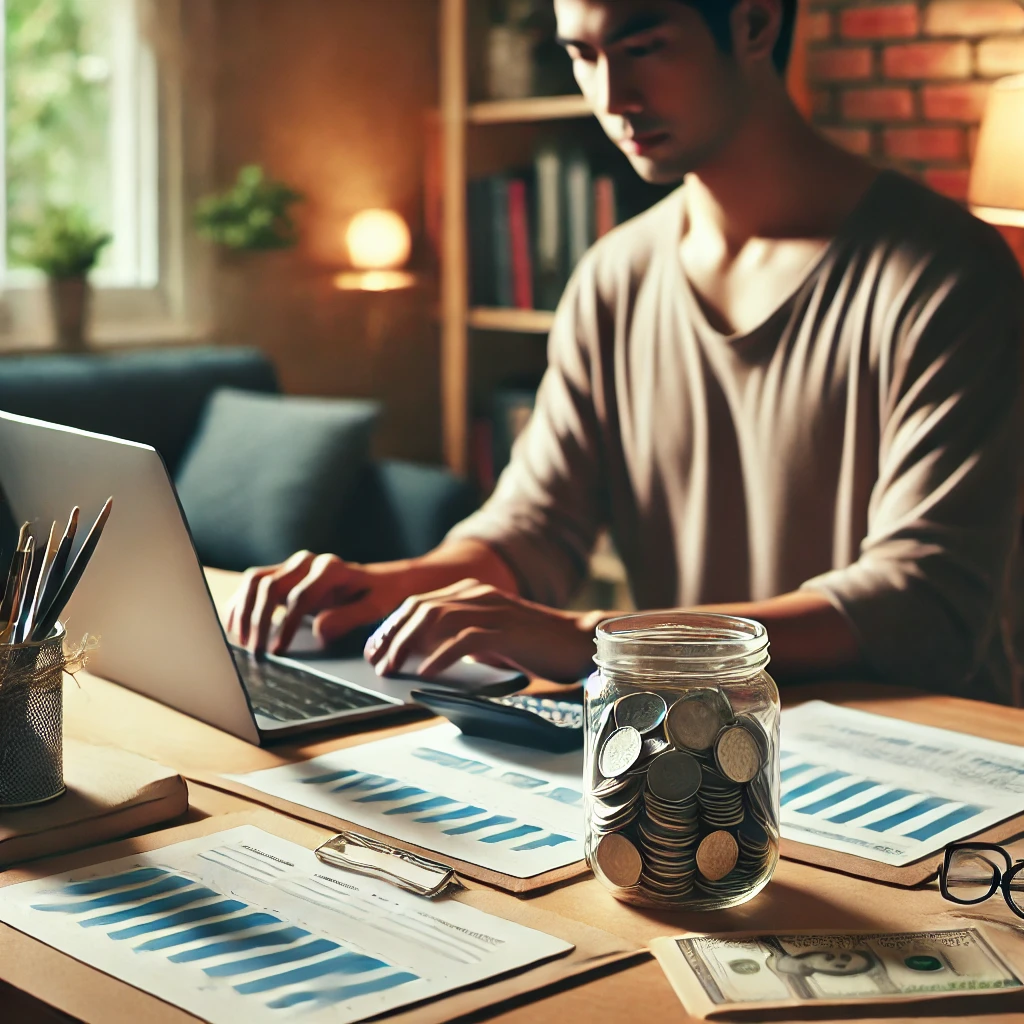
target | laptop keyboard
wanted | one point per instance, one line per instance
(285, 693)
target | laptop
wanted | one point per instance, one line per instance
(145, 596)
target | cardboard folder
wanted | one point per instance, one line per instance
(94, 997)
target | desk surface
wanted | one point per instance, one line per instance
(799, 897)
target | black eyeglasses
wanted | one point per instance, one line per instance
(972, 872)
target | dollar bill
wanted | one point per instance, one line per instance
(720, 972)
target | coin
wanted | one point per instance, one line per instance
(644, 711)
(674, 776)
(620, 752)
(716, 855)
(693, 721)
(737, 754)
(618, 860)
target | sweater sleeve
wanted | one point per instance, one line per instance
(924, 595)
(543, 516)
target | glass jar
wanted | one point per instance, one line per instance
(682, 760)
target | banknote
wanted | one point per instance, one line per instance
(721, 972)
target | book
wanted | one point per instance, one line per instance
(110, 793)
(482, 288)
(512, 410)
(578, 209)
(550, 230)
(605, 217)
(504, 293)
(519, 240)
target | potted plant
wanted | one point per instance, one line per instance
(253, 214)
(65, 245)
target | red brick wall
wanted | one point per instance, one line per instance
(904, 81)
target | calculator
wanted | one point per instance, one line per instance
(539, 722)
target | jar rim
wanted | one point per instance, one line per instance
(683, 637)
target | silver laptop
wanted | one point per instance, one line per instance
(145, 596)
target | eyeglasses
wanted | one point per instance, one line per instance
(972, 872)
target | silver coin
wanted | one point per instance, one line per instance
(643, 711)
(693, 721)
(674, 776)
(620, 752)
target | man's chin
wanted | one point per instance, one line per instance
(658, 172)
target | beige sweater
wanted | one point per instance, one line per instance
(865, 441)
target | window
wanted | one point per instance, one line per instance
(81, 127)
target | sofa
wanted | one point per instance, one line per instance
(166, 397)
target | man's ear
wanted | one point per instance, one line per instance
(756, 25)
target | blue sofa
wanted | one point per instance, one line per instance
(397, 509)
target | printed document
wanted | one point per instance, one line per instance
(496, 805)
(890, 790)
(245, 926)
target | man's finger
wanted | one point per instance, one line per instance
(287, 574)
(334, 623)
(475, 640)
(320, 587)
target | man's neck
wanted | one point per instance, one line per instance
(776, 178)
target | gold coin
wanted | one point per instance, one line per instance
(717, 855)
(738, 754)
(618, 860)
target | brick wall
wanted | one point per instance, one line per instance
(905, 82)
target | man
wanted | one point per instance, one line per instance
(790, 389)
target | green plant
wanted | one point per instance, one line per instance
(252, 214)
(65, 242)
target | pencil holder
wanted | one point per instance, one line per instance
(32, 721)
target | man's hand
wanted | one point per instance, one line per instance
(341, 596)
(492, 626)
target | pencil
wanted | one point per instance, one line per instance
(23, 560)
(7, 605)
(60, 561)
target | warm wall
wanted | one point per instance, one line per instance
(905, 82)
(330, 96)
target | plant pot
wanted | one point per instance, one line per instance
(69, 305)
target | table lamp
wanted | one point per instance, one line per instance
(379, 244)
(996, 191)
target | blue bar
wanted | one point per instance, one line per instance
(179, 899)
(538, 844)
(206, 931)
(183, 917)
(788, 773)
(570, 797)
(283, 956)
(871, 805)
(423, 805)
(169, 884)
(837, 798)
(900, 817)
(810, 787)
(514, 833)
(95, 885)
(347, 963)
(951, 819)
(459, 812)
(475, 826)
(319, 780)
(281, 937)
(344, 994)
(370, 782)
(522, 781)
(462, 764)
(402, 793)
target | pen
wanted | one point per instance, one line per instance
(7, 605)
(67, 586)
(44, 559)
(23, 563)
(60, 561)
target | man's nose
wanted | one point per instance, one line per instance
(617, 93)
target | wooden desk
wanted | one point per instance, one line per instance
(799, 897)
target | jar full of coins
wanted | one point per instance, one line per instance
(682, 760)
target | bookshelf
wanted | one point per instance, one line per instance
(536, 108)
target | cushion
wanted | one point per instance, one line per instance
(269, 474)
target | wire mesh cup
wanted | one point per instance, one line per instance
(32, 721)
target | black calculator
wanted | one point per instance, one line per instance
(539, 722)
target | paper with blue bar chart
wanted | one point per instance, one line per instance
(889, 790)
(243, 925)
(503, 807)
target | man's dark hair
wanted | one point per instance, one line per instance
(717, 13)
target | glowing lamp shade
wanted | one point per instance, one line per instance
(378, 240)
(996, 192)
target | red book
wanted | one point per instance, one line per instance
(604, 205)
(519, 237)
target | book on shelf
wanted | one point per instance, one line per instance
(529, 229)
(493, 435)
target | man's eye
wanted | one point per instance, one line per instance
(645, 49)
